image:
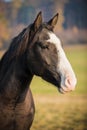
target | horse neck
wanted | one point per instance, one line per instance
(15, 78)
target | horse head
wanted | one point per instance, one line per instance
(46, 57)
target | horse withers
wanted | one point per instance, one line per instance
(35, 51)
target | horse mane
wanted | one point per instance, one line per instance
(16, 49)
(19, 43)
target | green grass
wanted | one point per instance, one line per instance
(60, 113)
(78, 59)
(55, 111)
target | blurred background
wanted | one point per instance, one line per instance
(71, 27)
(54, 111)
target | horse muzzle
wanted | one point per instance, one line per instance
(67, 84)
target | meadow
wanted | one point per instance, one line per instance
(55, 111)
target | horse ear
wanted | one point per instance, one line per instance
(54, 20)
(38, 21)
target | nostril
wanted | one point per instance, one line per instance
(70, 83)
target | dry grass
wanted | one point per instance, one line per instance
(60, 113)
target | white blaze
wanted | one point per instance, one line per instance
(68, 79)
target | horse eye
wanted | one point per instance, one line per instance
(46, 37)
(43, 45)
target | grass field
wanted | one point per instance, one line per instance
(55, 111)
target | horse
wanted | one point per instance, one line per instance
(35, 51)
